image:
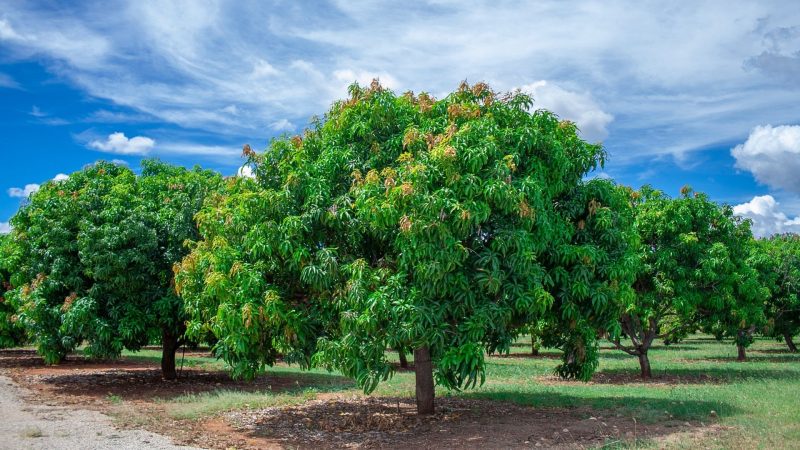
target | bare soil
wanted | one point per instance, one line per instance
(329, 420)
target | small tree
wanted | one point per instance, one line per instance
(692, 270)
(778, 262)
(403, 222)
(99, 251)
(11, 333)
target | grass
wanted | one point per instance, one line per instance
(194, 406)
(758, 401)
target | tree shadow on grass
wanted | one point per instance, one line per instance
(787, 358)
(774, 351)
(643, 408)
(541, 355)
(79, 378)
(147, 384)
(688, 375)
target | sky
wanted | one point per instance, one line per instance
(704, 93)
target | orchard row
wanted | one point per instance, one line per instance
(444, 227)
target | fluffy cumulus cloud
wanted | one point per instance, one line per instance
(577, 107)
(5, 228)
(120, 144)
(24, 192)
(60, 177)
(772, 154)
(767, 217)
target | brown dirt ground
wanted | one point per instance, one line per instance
(329, 420)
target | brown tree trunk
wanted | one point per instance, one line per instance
(403, 360)
(534, 345)
(169, 345)
(789, 343)
(644, 363)
(742, 354)
(424, 377)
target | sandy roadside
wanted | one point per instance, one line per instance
(24, 425)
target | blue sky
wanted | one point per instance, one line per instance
(699, 93)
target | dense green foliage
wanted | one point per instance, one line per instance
(778, 261)
(97, 251)
(11, 331)
(693, 272)
(401, 221)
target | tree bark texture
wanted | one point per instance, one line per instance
(789, 343)
(169, 345)
(644, 363)
(424, 377)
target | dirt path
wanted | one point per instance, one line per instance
(27, 426)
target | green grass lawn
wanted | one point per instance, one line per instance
(759, 400)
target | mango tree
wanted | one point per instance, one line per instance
(99, 249)
(778, 262)
(693, 271)
(11, 333)
(405, 222)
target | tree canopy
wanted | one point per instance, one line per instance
(778, 262)
(403, 221)
(693, 271)
(11, 332)
(97, 254)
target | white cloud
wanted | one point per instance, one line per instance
(263, 69)
(577, 107)
(231, 109)
(7, 82)
(245, 172)
(364, 78)
(772, 155)
(5, 228)
(766, 216)
(60, 177)
(120, 144)
(23, 192)
(36, 112)
(282, 125)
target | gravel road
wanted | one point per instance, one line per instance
(28, 426)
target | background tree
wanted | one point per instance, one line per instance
(401, 221)
(595, 272)
(692, 270)
(99, 253)
(11, 332)
(778, 261)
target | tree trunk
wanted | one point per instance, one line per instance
(789, 343)
(169, 345)
(742, 355)
(644, 363)
(403, 360)
(424, 377)
(534, 345)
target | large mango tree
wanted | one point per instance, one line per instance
(406, 222)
